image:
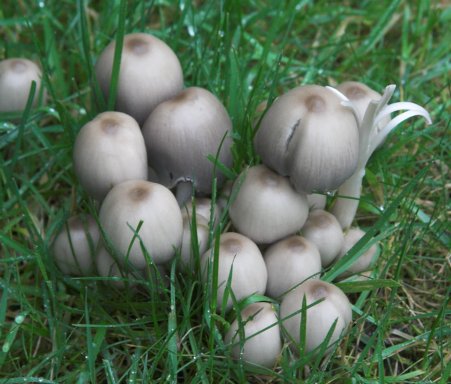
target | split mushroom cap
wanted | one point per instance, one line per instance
(74, 247)
(308, 135)
(16, 77)
(267, 208)
(108, 150)
(181, 132)
(257, 337)
(241, 260)
(135, 201)
(325, 305)
(324, 230)
(289, 263)
(150, 73)
(365, 260)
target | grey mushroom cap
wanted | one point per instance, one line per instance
(261, 343)
(324, 230)
(240, 258)
(290, 262)
(74, 246)
(150, 73)
(152, 205)
(332, 305)
(108, 150)
(181, 132)
(267, 208)
(308, 135)
(16, 77)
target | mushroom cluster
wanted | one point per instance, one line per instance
(312, 141)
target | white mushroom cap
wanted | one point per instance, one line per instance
(316, 201)
(290, 262)
(109, 150)
(308, 135)
(323, 229)
(321, 316)
(150, 73)
(186, 250)
(131, 202)
(74, 247)
(16, 77)
(365, 260)
(261, 346)
(181, 132)
(240, 258)
(267, 208)
(203, 209)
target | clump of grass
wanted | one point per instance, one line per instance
(60, 329)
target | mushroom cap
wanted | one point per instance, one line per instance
(321, 316)
(181, 132)
(262, 349)
(365, 260)
(150, 73)
(131, 202)
(203, 209)
(202, 231)
(108, 150)
(316, 201)
(241, 257)
(74, 246)
(16, 76)
(323, 229)
(267, 208)
(308, 135)
(290, 262)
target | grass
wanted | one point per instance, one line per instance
(56, 328)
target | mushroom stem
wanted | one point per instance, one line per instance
(371, 137)
(183, 192)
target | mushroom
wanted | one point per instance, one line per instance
(367, 253)
(267, 208)
(323, 230)
(316, 201)
(202, 233)
(109, 150)
(204, 208)
(326, 306)
(16, 77)
(150, 73)
(138, 214)
(308, 135)
(74, 246)
(255, 335)
(290, 262)
(181, 133)
(239, 260)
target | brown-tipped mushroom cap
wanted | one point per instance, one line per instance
(109, 150)
(74, 247)
(308, 135)
(331, 305)
(323, 229)
(240, 258)
(180, 134)
(150, 73)
(16, 77)
(261, 343)
(267, 208)
(289, 262)
(135, 201)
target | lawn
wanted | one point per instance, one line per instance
(56, 328)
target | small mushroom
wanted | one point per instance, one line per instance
(137, 214)
(316, 201)
(203, 208)
(150, 73)
(323, 230)
(181, 133)
(309, 136)
(242, 262)
(74, 246)
(109, 150)
(16, 77)
(326, 307)
(267, 208)
(186, 250)
(256, 336)
(290, 262)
